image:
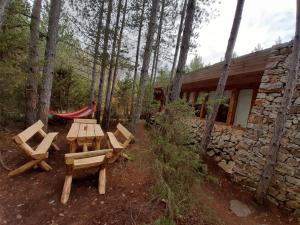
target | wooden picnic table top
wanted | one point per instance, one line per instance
(84, 130)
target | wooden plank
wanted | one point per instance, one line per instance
(102, 181)
(88, 162)
(66, 189)
(73, 132)
(28, 133)
(24, 168)
(44, 134)
(70, 157)
(113, 141)
(98, 131)
(82, 132)
(44, 146)
(86, 121)
(90, 133)
(126, 133)
(232, 106)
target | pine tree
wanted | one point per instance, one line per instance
(3, 5)
(49, 58)
(225, 72)
(271, 159)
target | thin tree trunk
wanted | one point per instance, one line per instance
(154, 60)
(105, 59)
(3, 5)
(117, 59)
(271, 159)
(33, 62)
(185, 45)
(105, 119)
(223, 79)
(146, 60)
(96, 52)
(49, 58)
(157, 45)
(183, 13)
(137, 57)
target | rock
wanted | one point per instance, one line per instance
(239, 209)
(210, 153)
(61, 214)
(19, 216)
(227, 167)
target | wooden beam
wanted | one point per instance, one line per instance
(232, 106)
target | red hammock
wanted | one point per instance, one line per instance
(84, 112)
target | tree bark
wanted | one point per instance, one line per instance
(96, 52)
(157, 45)
(146, 60)
(223, 79)
(271, 159)
(117, 58)
(185, 45)
(33, 62)
(105, 119)
(137, 57)
(104, 62)
(178, 41)
(49, 58)
(3, 5)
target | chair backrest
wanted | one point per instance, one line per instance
(126, 134)
(25, 135)
(89, 121)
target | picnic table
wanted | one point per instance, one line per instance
(84, 134)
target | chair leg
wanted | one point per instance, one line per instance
(45, 166)
(24, 168)
(102, 181)
(66, 189)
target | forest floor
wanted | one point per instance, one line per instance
(33, 198)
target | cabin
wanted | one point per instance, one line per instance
(199, 86)
(245, 122)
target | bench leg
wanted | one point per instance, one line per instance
(98, 144)
(102, 181)
(55, 147)
(45, 166)
(24, 168)
(66, 189)
(85, 148)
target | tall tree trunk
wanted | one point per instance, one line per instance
(105, 119)
(33, 62)
(223, 79)
(137, 57)
(3, 5)
(178, 41)
(158, 40)
(105, 58)
(96, 52)
(185, 45)
(146, 60)
(117, 58)
(50, 52)
(271, 159)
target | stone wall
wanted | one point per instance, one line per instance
(242, 152)
(250, 158)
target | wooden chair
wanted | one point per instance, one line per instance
(85, 160)
(116, 143)
(87, 121)
(40, 153)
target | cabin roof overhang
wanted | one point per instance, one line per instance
(245, 70)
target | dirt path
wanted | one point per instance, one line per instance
(34, 197)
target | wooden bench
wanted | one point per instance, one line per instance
(40, 153)
(85, 160)
(116, 144)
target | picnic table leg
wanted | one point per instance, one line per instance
(85, 148)
(67, 186)
(73, 147)
(98, 143)
(102, 180)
